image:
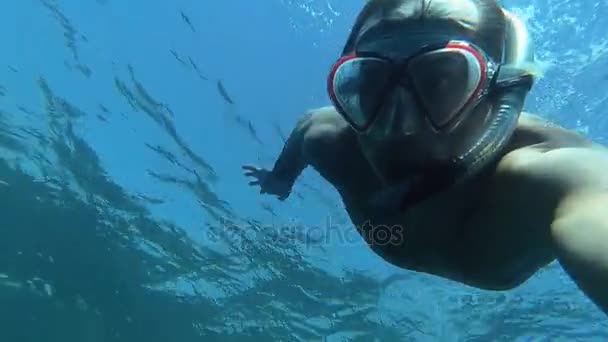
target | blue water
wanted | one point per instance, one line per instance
(124, 214)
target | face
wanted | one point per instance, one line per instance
(412, 87)
(394, 154)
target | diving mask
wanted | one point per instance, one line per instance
(446, 81)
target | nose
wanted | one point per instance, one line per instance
(399, 115)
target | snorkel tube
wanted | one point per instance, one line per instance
(513, 81)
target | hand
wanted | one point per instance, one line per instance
(267, 182)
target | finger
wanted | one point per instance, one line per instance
(249, 173)
(254, 183)
(249, 168)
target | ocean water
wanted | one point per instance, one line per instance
(124, 215)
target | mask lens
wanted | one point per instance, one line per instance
(445, 81)
(357, 88)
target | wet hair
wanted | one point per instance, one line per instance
(483, 20)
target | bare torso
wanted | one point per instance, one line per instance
(491, 233)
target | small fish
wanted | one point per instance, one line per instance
(187, 21)
(169, 110)
(168, 155)
(268, 208)
(151, 200)
(223, 92)
(179, 59)
(254, 133)
(194, 66)
(280, 132)
(85, 70)
(25, 110)
(12, 68)
(198, 71)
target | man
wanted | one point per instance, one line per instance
(426, 136)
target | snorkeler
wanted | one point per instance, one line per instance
(426, 136)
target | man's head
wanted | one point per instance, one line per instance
(424, 82)
(482, 21)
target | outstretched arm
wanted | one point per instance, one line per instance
(581, 236)
(308, 141)
(289, 165)
(580, 225)
(292, 160)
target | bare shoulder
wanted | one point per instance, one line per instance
(576, 169)
(331, 147)
(326, 116)
(536, 132)
(324, 124)
(549, 152)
